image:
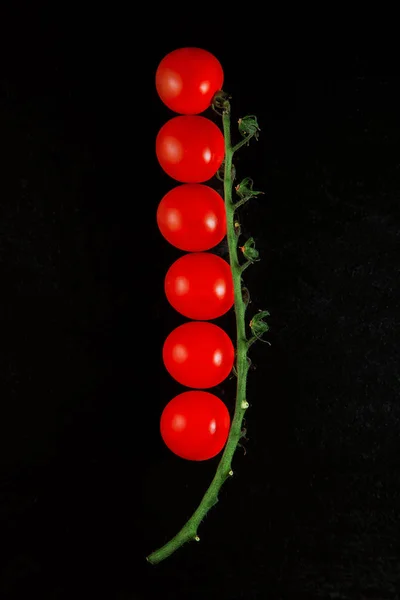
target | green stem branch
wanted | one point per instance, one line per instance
(245, 265)
(242, 143)
(241, 202)
(224, 469)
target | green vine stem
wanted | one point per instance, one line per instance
(248, 128)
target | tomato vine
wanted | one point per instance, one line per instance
(248, 128)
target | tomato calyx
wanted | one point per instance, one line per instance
(220, 174)
(249, 250)
(248, 127)
(243, 433)
(238, 229)
(244, 189)
(258, 327)
(246, 296)
(220, 103)
(234, 373)
(243, 437)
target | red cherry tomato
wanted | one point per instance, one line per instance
(190, 149)
(198, 354)
(200, 286)
(187, 79)
(191, 217)
(195, 425)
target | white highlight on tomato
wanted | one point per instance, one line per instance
(207, 155)
(212, 428)
(204, 87)
(217, 358)
(173, 148)
(179, 353)
(211, 222)
(181, 286)
(174, 220)
(178, 423)
(172, 83)
(220, 288)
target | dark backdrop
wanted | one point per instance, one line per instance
(87, 488)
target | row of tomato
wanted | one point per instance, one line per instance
(198, 354)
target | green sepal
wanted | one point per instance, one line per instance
(249, 126)
(249, 250)
(257, 325)
(244, 189)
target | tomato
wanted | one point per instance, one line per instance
(199, 286)
(190, 149)
(195, 425)
(192, 217)
(198, 354)
(187, 79)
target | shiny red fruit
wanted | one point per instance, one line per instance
(200, 286)
(190, 149)
(187, 79)
(192, 217)
(198, 354)
(195, 425)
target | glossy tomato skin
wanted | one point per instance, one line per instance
(198, 354)
(192, 217)
(187, 79)
(190, 149)
(195, 425)
(199, 286)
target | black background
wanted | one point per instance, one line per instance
(87, 488)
